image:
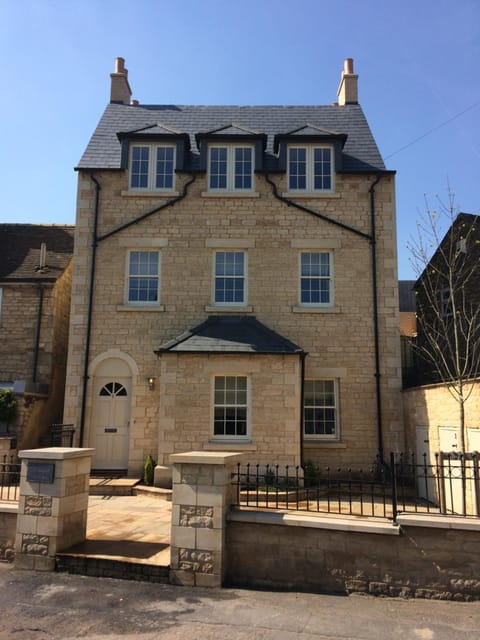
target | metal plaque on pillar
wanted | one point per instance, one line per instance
(40, 472)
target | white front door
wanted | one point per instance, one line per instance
(111, 421)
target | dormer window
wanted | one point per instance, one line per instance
(152, 167)
(230, 167)
(310, 168)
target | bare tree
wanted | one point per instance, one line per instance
(448, 300)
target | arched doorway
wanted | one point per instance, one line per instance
(110, 423)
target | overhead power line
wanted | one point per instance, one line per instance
(439, 126)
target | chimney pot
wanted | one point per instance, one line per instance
(43, 255)
(348, 65)
(119, 65)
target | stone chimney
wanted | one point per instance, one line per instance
(348, 90)
(120, 89)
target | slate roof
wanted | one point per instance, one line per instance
(20, 251)
(230, 334)
(463, 219)
(360, 153)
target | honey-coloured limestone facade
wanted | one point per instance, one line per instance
(235, 285)
(35, 289)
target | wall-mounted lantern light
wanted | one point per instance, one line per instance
(151, 382)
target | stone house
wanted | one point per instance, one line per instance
(235, 285)
(35, 288)
(432, 414)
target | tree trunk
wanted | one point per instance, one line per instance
(461, 400)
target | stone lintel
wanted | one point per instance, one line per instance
(206, 457)
(55, 453)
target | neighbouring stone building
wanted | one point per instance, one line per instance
(432, 413)
(35, 287)
(235, 285)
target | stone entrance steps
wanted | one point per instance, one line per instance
(128, 536)
(105, 486)
(102, 567)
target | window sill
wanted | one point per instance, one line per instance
(223, 309)
(330, 444)
(305, 309)
(230, 194)
(131, 307)
(310, 194)
(216, 445)
(149, 194)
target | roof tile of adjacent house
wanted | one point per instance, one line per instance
(21, 246)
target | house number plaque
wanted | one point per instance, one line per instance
(40, 472)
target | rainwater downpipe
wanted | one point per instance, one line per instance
(317, 214)
(36, 347)
(375, 317)
(303, 355)
(90, 307)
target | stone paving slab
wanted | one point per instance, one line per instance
(127, 529)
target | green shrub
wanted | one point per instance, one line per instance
(269, 478)
(8, 405)
(149, 470)
(312, 473)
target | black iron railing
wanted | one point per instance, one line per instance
(58, 435)
(9, 478)
(404, 485)
(448, 486)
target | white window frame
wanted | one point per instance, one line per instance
(329, 278)
(152, 167)
(310, 172)
(243, 277)
(246, 406)
(336, 409)
(230, 175)
(129, 276)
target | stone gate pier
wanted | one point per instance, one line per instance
(202, 495)
(52, 511)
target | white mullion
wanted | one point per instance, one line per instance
(310, 168)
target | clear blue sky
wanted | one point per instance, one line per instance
(418, 62)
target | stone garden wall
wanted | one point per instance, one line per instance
(8, 526)
(423, 557)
